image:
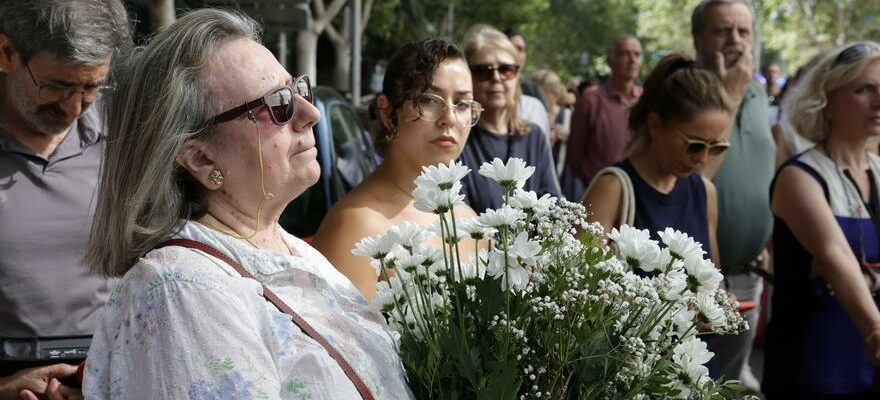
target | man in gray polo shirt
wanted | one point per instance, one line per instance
(54, 59)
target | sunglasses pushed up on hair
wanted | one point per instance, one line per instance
(278, 101)
(485, 72)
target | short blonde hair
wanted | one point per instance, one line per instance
(805, 107)
(483, 37)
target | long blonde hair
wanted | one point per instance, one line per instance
(160, 102)
(483, 37)
(807, 103)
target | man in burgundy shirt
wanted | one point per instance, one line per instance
(599, 132)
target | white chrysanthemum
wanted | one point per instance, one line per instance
(690, 355)
(438, 201)
(704, 276)
(681, 245)
(504, 216)
(636, 247)
(672, 284)
(710, 311)
(383, 299)
(436, 229)
(442, 176)
(529, 200)
(693, 348)
(375, 247)
(408, 234)
(524, 248)
(474, 268)
(474, 229)
(513, 275)
(683, 320)
(512, 174)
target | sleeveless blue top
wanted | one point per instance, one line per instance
(684, 208)
(812, 344)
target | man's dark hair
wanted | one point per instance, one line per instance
(74, 31)
(511, 32)
(698, 17)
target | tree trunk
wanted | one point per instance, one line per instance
(342, 69)
(307, 52)
(161, 14)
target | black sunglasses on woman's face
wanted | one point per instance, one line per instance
(485, 72)
(278, 101)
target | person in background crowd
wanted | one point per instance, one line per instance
(722, 31)
(209, 140)
(598, 127)
(678, 124)
(561, 102)
(824, 332)
(789, 142)
(425, 81)
(773, 80)
(500, 132)
(533, 104)
(54, 56)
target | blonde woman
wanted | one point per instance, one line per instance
(823, 337)
(500, 133)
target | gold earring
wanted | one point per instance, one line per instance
(392, 134)
(216, 177)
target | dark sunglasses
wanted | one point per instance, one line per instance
(696, 146)
(278, 101)
(485, 72)
(853, 53)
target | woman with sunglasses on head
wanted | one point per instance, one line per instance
(680, 121)
(822, 339)
(426, 110)
(209, 139)
(500, 133)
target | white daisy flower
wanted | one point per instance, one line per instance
(513, 174)
(437, 201)
(529, 200)
(504, 216)
(513, 275)
(474, 229)
(442, 176)
(408, 234)
(704, 276)
(376, 247)
(681, 245)
(636, 247)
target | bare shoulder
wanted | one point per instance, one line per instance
(603, 187)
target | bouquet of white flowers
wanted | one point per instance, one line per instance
(545, 309)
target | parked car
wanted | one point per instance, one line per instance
(346, 155)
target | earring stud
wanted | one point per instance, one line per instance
(216, 177)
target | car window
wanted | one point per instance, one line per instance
(344, 124)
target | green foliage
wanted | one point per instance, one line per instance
(571, 36)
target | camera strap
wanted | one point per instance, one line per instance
(281, 305)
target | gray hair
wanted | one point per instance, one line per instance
(806, 105)
(74, 31)
(698, 17)
(161, 101)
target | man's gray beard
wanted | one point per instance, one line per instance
(29, 114)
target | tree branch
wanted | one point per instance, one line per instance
(321, 21)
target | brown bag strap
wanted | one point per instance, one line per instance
(297, 319)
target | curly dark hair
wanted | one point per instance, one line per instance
(410, 73)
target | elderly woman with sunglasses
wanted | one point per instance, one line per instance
(681, 119)
(823, 336)
(426, 110)
(500, 133)
(209, 139)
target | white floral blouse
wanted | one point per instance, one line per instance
(184, 325)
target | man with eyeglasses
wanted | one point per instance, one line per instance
(723, 37)
(54, 60)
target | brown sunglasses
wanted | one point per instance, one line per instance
(485, 72)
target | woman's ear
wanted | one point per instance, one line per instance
(196, 157)
(654, 123)
(383, 106)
